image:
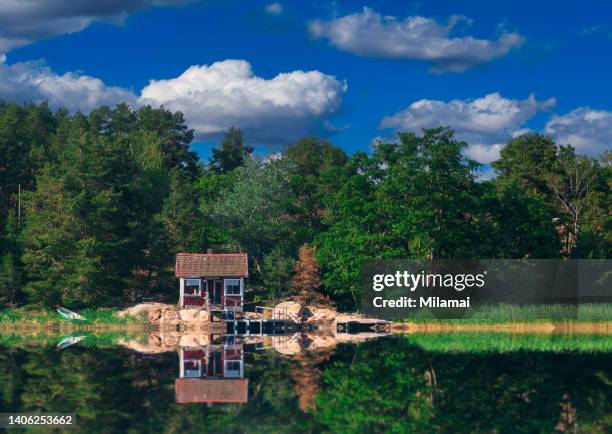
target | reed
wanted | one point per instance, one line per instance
(508, 313)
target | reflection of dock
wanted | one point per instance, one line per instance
(357, 327)
(260, 327)
(211, 374)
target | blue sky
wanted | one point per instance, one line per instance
(378, 66)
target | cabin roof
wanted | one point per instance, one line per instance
(211, 264)
(193, 390)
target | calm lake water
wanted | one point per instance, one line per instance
(400, 384)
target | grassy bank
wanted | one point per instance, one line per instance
(508, 313)
(48, 318)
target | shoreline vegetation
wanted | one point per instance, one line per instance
(96, 321)
(547, 319)
(510, 314)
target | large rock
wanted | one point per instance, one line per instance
(169, 315)
(291, 310)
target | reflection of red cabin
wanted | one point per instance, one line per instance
(212, 280)
(211, 376)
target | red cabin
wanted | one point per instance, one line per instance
(212, 280)
(211, 375)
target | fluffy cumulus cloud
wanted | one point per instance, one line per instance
(212, 97)
(370, 34)
(228, 93)
(589, 131)
(32, 81)
(26, 21)
(485, 123)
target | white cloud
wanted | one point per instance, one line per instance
(485, 123)
(25, 21)
(274, 8)
(372, 35)
(227, 93)
(587, 130)
(484, 153)
(32, 81)
(212, 97)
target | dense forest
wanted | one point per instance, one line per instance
(94, 207)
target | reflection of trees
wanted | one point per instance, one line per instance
(520, 391)
(389, 385)
(377, 387)
(306, 375)
(115, 390)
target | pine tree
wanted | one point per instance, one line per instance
(10, 270)
(78, 235)
(276, 271)
(232, 152)
(9, 280)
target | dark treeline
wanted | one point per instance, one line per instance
(94, 207)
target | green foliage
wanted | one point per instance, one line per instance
(465, 383)
(10, 267)
(503, 313)
(314, 163)
(504, 342)
(94, 207)
(232, 153)
(276, 273)
(257, 210)
(414, 199)
(574, 187)
(9, 280)
(528, 160)
(77, 234)
(515, 224)
(380, 390)
(449, 383)
(49, 317)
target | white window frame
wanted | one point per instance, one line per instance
(193, 373)
(227, 373)
(189, 373)
(197, 294)
(232, 282)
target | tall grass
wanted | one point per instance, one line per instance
(49, 316)
(508, 313)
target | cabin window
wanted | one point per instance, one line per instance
(193, 287)
(232, 287)
(233, 368)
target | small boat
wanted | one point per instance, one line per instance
(69, 315)
(69, 341)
